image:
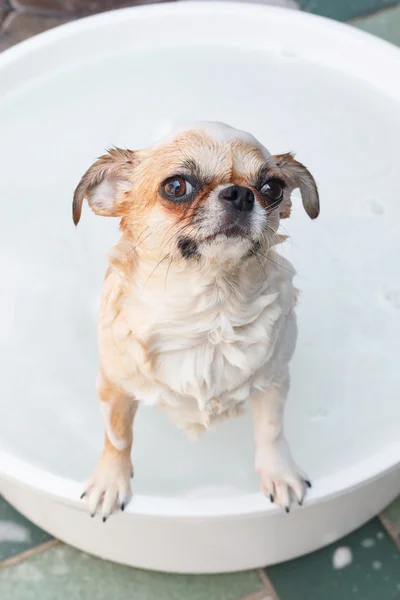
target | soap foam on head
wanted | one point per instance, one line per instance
(221, 132)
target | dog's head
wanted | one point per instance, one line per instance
(207, 190)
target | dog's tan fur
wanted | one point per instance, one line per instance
(134, 337)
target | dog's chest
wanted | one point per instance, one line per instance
(197, 347)
(206, 349)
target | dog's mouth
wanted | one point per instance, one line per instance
(234, 232)
(237, 229)
(221, 240)
(234, 237)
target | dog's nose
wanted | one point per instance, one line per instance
(242, 198)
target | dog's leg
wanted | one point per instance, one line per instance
(281, 479)
(109, 488)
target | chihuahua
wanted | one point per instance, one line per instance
(197, 313)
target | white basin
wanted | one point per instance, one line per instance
(298, 82)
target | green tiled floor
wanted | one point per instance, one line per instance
(363, 566)
(343, 10)
(63, 572)
(16, 533)
(385, 24)
(392, 517)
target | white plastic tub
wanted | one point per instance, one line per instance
(299, 83)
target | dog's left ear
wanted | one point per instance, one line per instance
(298, 176)
(105, 184)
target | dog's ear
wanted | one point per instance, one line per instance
(298, 176)
(105, 184)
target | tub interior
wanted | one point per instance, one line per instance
(343, 405)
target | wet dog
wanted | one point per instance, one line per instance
(197, 313)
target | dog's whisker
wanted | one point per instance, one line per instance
(154, 270)
(139, 240)
(261, 264)
(166, 274)
(175, 235)
(279, 265)
(230, 283)
(179, 232)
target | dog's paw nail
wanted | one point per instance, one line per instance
(123, 506)
(271, 498)
(300, 502)
(104, 519)
(83, 495)
(308, 483)
(92, 515)
(287, 509)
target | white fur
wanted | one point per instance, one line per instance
(280, 476)
(103, 196)
(110, 485)
(214, 339)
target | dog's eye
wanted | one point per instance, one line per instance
(176, 188)
(272, 190)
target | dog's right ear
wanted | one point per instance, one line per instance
(298, 176)
(105, 184)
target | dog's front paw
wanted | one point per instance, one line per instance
(281, 479)
(109, 488)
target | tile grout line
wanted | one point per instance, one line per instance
(390, 530)
(258, 596)
(268, 587)
(368, 15)
(14, 560)
(9, 18)
(266, 593)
